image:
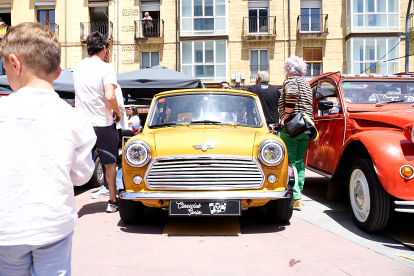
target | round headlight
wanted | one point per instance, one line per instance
(271, 152)
(137, 153)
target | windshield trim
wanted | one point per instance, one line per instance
(209, 93)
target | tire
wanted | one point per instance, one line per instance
(98, 177)
(131, 212)
(370, 203)
(280, 210)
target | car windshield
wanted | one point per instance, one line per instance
(205, 109)
(366, 92)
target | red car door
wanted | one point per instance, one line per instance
(323, 152)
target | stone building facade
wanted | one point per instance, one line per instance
(229, 40)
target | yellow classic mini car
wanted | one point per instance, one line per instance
(205, 152)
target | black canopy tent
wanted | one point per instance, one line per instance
(145, 83)
(140, 84)
(63, 85)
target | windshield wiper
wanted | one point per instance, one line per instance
(163, 124)
(205, 122)
(384, 103)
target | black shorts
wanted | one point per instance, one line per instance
(107, 144)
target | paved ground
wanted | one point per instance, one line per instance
(319, 240)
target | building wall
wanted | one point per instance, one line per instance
(125, 54)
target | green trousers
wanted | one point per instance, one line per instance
(296, 148)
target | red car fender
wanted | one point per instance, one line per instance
(389, 151)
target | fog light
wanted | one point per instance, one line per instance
(271, 178)
(137, 179)
(407, 172)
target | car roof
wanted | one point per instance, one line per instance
(215, 90)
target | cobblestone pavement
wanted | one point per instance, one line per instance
(310, 244)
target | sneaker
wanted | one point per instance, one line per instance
(112, 207)
(297, 204)
(102, 192)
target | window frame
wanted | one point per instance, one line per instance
(253, 78)
(349, 17)
(150, 54)
(192, 32)
(214, 63)
(351, 62)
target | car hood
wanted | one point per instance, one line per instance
(392, 118)
(226, 140)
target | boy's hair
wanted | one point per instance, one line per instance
(95, 43)
(36, 43)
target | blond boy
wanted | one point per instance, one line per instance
(45, 145)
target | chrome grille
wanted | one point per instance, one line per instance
(204, 173)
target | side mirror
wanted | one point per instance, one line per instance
(325, 105)
(272, 127)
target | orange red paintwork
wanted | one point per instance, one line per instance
(379, 129)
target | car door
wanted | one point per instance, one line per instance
(326, 121)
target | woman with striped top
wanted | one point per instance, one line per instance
(296, 97)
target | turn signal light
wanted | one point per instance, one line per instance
(407, 172)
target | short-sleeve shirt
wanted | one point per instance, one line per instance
(90, 76)
(269, 99)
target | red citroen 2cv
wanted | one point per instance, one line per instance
(365, 125)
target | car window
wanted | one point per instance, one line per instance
(196, 108)
(328, 94)
(375, 91)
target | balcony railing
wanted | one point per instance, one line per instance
(259, 25)
(256, 68)
(149, 28)
(104, 27)
(55, 28)
(315, 23)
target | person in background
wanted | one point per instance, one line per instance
(268, 95)
(147, 24)
(296, 97)
(134, 121)
(95, 83)
(48, 146)
(224, 85)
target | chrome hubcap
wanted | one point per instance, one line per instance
(359, 195)
(99, 172)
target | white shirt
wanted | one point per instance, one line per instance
(134, 121)
(45, 146)
(122, 124)
(90, 76)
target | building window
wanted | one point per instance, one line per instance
(201, 17)
(149, 59)
(372, 55)
(258, 16)
(313, 58)
(259, 61)
(47, 17)
(372, 16)
(205, 60)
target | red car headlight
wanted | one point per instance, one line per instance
(408, 132)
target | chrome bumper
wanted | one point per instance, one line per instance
(404, 206)
(206, 195)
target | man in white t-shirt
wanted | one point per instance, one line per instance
(95, 83)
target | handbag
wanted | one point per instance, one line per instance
(295, 125)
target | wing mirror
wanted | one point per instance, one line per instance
(273, 128)
(325, 105)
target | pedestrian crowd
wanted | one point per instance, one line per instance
(37, 213)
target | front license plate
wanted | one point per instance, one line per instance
(205, 208)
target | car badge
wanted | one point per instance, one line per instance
(204, 147)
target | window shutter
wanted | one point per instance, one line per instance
(312, 54)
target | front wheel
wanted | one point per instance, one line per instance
(280, 210)
(370, 203)
(131, 212)
(98, 177)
